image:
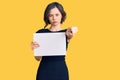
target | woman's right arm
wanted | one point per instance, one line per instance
(35, 45)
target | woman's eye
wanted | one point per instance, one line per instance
(57, 14)
(50, 15)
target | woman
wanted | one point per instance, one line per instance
(53, 67)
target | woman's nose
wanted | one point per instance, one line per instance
(54, 17)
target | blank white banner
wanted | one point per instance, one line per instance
(51, 44)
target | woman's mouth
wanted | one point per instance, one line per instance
(55, 22)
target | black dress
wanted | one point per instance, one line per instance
(52, 67)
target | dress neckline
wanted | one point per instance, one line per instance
(53, 31)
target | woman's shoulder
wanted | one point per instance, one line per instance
(42, 30)
(63, 30)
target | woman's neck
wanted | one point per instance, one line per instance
(55, 28)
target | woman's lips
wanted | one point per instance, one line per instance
(55, 22)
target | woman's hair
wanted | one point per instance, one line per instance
(51, 6)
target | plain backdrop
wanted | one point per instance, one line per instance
(93, 53)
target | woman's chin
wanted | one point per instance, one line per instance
(54, 24)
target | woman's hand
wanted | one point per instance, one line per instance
(35, 45)
(70, 32)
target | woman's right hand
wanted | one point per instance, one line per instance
(34, 45)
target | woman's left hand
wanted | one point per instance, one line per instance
(71, 31)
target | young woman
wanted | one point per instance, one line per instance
(53, 67)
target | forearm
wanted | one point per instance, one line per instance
(38, 58)
(69, 37)
(69, 34)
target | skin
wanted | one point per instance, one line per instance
(55, 18)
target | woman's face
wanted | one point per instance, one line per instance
(55, 17)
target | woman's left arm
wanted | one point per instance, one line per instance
(70, 32)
